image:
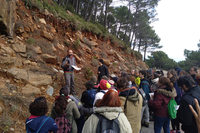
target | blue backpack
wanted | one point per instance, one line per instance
(91, 96)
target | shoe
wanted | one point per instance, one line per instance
(145, 124)
(178, 131)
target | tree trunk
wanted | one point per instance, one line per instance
(129, 37)
(79, 5)
(139, 45)
(95, 11)
(145, 50)
(134, 43)
(66, 2)
(106, 12)
(101, 14)
(119, 30)
(90, 13)
(77, 1)
(129, 10)
(86, 11)
(73, 3)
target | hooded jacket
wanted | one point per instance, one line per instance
(110, 113)
(72, 113)
(133, 108)
(161, 100)
(49, 125)
(184, 114)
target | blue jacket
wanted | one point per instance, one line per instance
(144, 84)
(178, 91)
(49, 125)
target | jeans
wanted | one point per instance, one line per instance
(145, 112)
(160, 122)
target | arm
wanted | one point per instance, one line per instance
(53, 125)
(196, 114)
(76, 112)
(64, 63)
(91, 124)
(53, 113)
(107, 72)
(157, 102)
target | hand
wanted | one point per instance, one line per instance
(197, 116)
(66, 64)
(98, 72)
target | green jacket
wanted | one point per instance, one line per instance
(137, 80)
(110, 113)
(72, 113)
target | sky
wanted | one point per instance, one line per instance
(178, 26)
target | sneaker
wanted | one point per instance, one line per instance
(145, 124)
(178, 131)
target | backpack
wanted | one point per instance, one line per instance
(91, 96)
(141, 91)
(107, 126)
(63, 124)
(171, 108)
(77, 101)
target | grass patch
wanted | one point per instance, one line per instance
(76, 45)
(66, 43)
(30, 41)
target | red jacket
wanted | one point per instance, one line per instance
(161, 100)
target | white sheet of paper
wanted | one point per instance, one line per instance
(76, 67)
(177, 107)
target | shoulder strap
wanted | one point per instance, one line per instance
(102, 91)
(43, 121)
(126, 98)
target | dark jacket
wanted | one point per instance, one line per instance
(161, 99)
(184, 114)
(144, 84)
(71, 61)
(49, 125)
(103, 71)
(86, 99)
(178, 91)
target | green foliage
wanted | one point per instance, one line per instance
(137, 55)
(66, 43)
(76, 45)
(160, 59)
(30, 41)
(88, 73)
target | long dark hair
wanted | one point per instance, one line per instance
(174, 78)
(166, 82)
(60, 104)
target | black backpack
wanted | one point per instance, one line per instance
(107, 126)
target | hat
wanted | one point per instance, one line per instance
(111, 82)
(115, 79)
(94, 79)
(105, 77)
(104, 85)
(150, 71)
(112, 75)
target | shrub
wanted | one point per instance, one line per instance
(30, 41)
(88, 73)
(137, 55)
(75, 45)
(66, 43)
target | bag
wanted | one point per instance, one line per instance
(171, 108)
(107, 126)
(77, 102)
(143, 96)
(39, 126)
(91, 96)
(63, 124)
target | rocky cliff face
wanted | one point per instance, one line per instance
(7, 17)
(30, 60)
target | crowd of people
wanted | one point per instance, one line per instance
(122, 103)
